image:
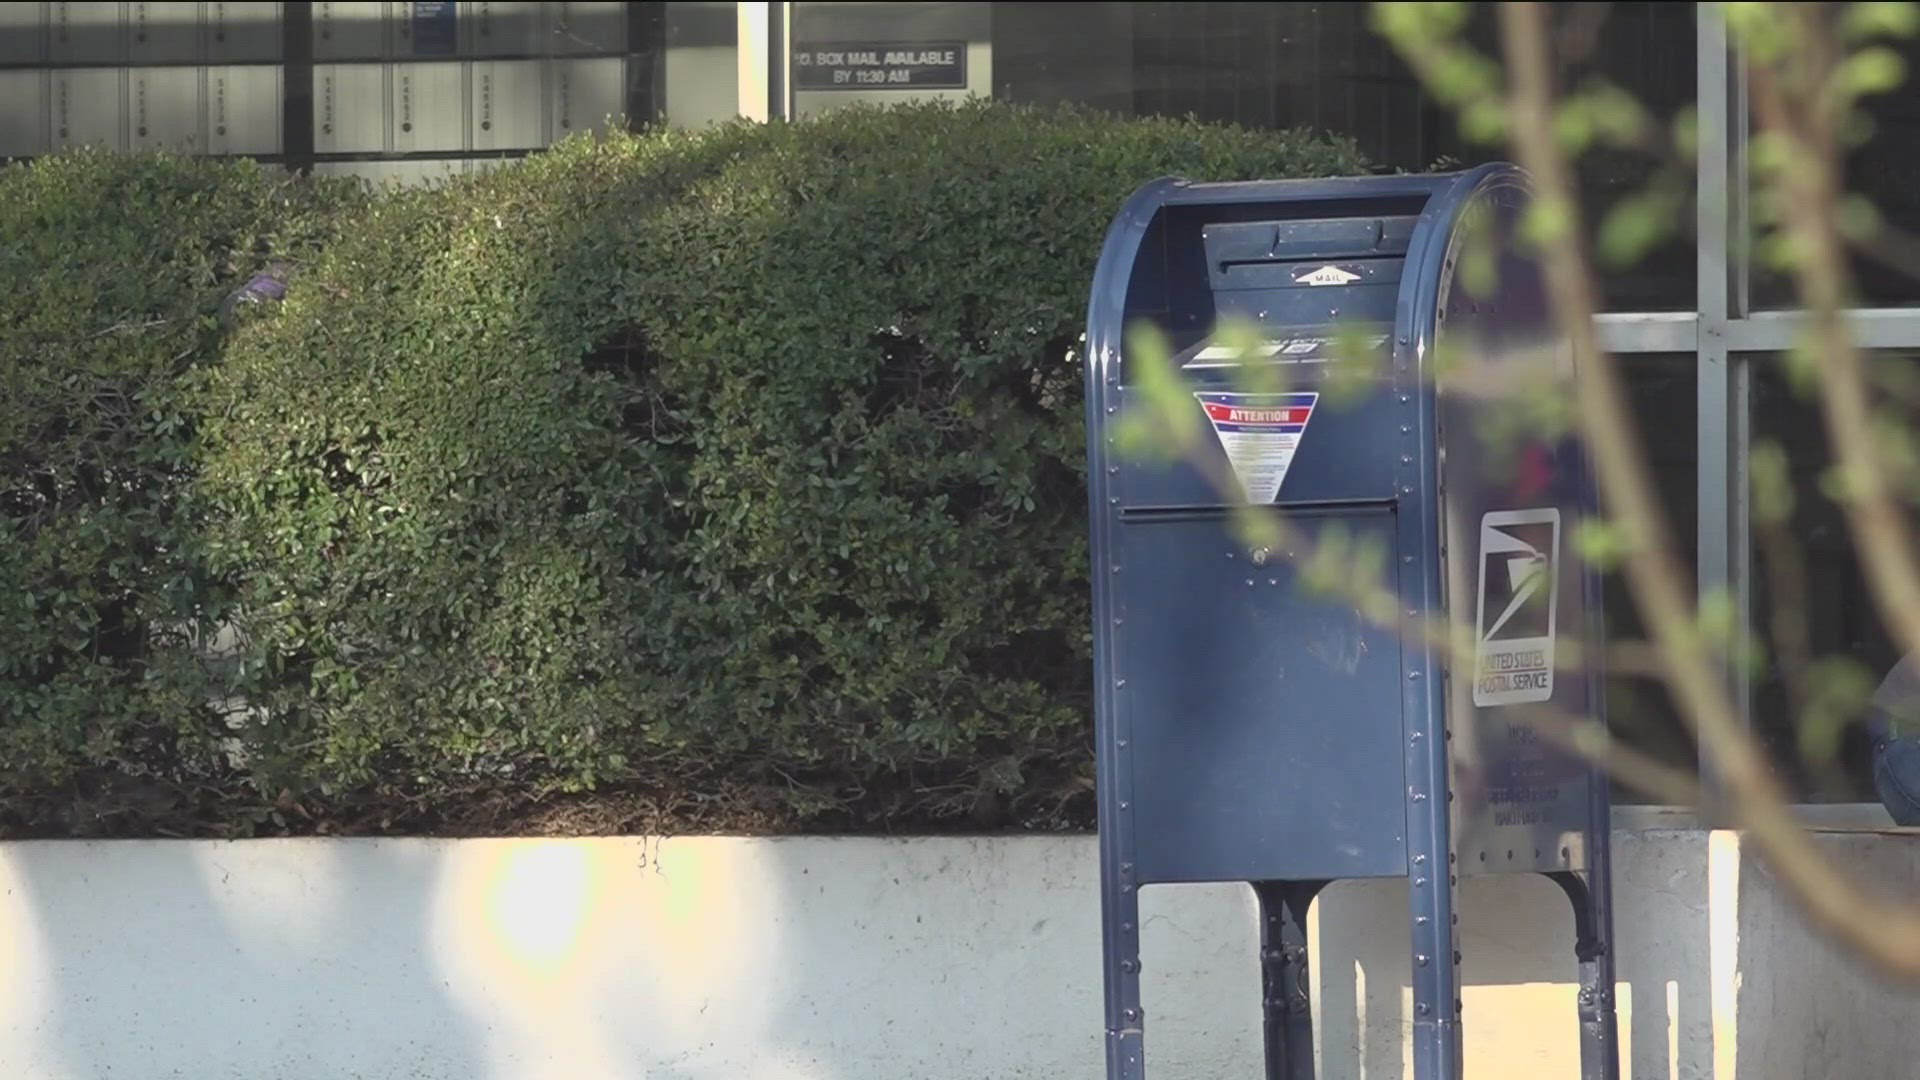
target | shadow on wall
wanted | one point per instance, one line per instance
(1518, 970)
(422, 960)
(218, 960)
(963, 957)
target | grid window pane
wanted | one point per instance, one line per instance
(1813, 602)
(1886, 263)
(1661, 396)
(1322, 66)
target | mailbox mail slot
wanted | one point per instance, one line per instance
(1252, 729)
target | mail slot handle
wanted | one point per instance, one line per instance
(1314, 238)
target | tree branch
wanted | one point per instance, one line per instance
(1884, 933)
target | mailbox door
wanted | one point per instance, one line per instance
(1262, 719)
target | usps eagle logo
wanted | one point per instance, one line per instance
(1517, 607)
(1259, 433)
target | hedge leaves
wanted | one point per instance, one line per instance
(740, 461)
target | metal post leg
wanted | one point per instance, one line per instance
(1436, 980)
(1125, 1018)
(1286, 992)
(1599, 1056)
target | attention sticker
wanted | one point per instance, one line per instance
(1259, 433)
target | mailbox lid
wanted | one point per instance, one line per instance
(1304, 273)
(1294, 271)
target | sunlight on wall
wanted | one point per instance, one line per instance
(1521, 1017)
(1723, 950)
(1519, 1031)
(569, 950)
(1359, 1019)
(538, 904)
(1673, 1029)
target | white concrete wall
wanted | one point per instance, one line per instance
(867, 959)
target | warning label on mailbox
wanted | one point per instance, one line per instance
(1519, 594)
(1259, 433)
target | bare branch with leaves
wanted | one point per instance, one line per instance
(1809, 67)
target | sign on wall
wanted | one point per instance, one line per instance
(435, 29)
(883, 65)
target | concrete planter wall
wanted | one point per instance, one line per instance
(861, 959)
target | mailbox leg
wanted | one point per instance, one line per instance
(1287, 1001)
(1437, 1050)
(1125, 1018)
(1593, 947)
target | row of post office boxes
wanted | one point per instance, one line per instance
(139, 33)
(409, 173)
(378, 31)
(433, 106)
(423, 107)
(227, 109)
(217, 32)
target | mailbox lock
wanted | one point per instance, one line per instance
(1260, 556)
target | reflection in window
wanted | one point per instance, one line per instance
(699, 71)
(1811, 599)
(1321, 65)
(1660, 397)
(1886, 271)
(406, 93)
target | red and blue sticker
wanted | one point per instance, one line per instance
(1259, 433)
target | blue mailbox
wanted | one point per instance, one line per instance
(1252, 729)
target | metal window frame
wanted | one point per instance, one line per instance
(1722, 378)
(1726, 335)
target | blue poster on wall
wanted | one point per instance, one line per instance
(433, 28)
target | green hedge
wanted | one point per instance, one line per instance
(738, 474)
(112, 271)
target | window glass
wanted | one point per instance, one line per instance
(404, 93)
(1881, 169)
(134, 77)
(1322, 66)
(697, 74)
(1811, 598)
(1661, 396)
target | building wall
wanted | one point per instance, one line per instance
(862, 959)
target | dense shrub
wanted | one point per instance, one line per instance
(112, 271)
(739, 465)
